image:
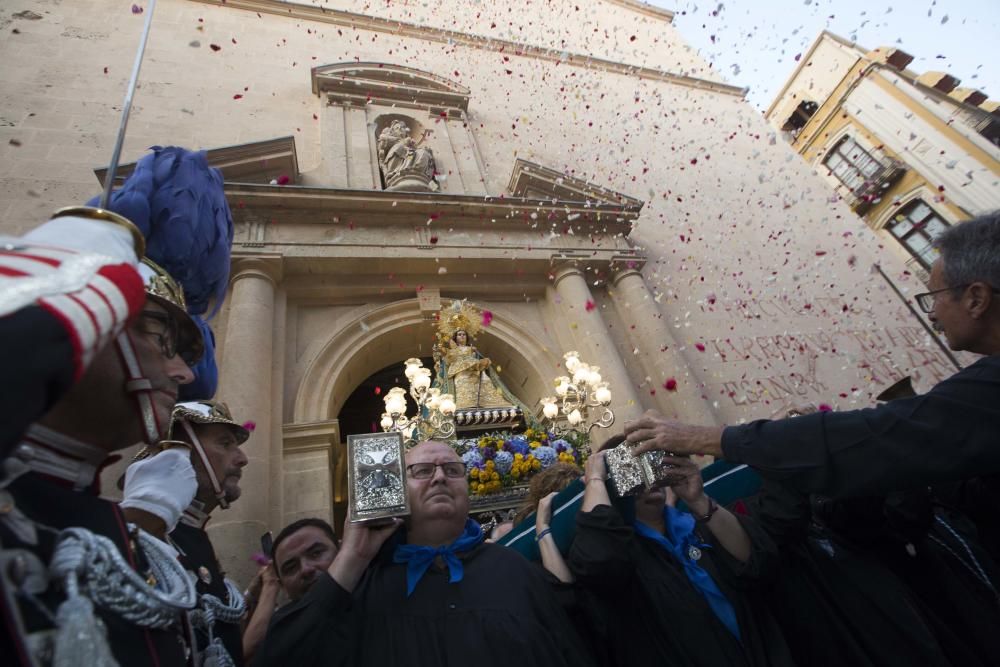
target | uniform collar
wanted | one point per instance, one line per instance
(61, 457)
(195, 515)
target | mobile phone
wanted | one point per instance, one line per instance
(266, 543)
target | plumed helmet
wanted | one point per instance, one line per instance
(163, 290)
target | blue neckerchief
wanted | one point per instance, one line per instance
(419, 558)
(681, 537)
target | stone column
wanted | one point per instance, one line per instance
(659, 354)
(245, 376)
(594, 343)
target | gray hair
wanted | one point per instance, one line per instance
(970, 251)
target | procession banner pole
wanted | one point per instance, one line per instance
(109, 178)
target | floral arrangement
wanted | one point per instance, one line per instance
(497, 461)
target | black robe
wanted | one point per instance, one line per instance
(654, 615)
(502, 614)
(949, 434)
(839, 599)
(197, 553)
(55, 505)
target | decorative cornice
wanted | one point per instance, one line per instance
(452, 37)
(382, 207)
(256, 161)
(646, 9)
(530, 177)
(386, 83)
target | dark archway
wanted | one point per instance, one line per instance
(364, 407)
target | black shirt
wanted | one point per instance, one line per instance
(653, 613)
(502, 614)
(949, 434)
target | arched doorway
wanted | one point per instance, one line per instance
(339, 384)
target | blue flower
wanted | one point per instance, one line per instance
(562, 446)
(546, 455)
(503, 462)
(472, 458)
(518, 444)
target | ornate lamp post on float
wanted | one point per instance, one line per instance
(581, 401)
(435, 416)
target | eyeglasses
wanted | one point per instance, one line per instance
(167, 334)
(452, 469)
(926, 299)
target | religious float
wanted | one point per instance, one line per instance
(464, 402)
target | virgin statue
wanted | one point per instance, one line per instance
(467, 370)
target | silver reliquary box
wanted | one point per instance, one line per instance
(376, 477)
(631, 475)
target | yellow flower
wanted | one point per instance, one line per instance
(535, 444)
(518, 457)
(536, 464)
(474, 473)
(530, 433)
(495, 476)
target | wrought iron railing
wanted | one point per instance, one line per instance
(873, 189)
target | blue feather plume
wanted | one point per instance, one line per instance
(206, 373)
(177, 201)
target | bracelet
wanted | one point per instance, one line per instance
(596, 479)
(713, 507)
(541, 535)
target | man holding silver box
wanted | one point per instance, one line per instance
(432, 593)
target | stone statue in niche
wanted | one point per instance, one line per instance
(405, 164)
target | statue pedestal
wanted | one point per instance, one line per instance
(483, 419)
(415, 180)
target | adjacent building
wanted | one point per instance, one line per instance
(911, 153)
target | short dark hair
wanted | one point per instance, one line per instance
(296, 526)
(970, 251)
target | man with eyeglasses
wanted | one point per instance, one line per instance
(949, 434)
(433, 593)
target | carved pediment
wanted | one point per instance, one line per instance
(533, 181)
(384, 83)
(255, 162)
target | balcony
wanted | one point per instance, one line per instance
(873, 189)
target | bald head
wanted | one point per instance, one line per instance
(431, 451)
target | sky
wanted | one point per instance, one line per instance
(753, 43)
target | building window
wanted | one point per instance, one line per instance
(851, 164)
(916, 227)
(800, 116)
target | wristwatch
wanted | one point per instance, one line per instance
(713, 507)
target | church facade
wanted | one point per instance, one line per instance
(573, 168)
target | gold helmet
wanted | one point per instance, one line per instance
(162, 289)
(207, 412)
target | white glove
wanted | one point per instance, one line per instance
(86, 235)
(163, 485)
